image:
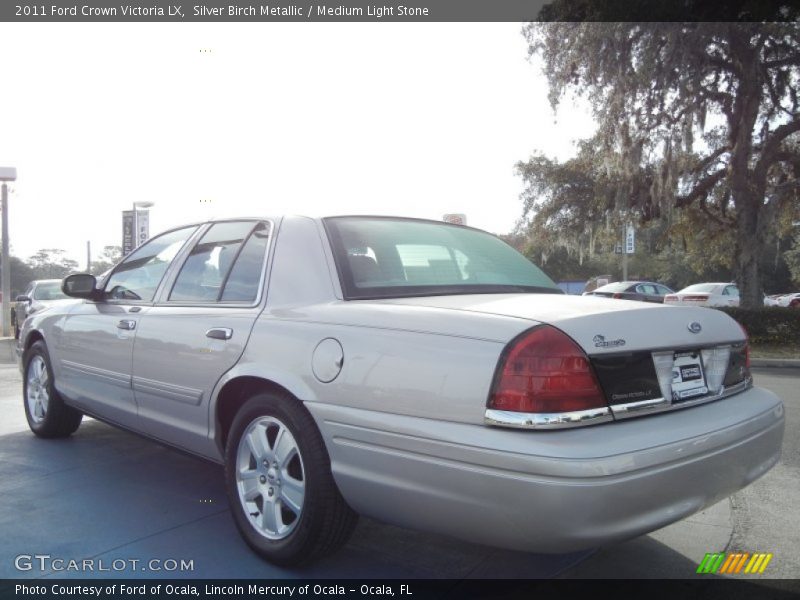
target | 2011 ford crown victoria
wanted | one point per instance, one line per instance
(417, 372)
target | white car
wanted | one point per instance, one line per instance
(790, 300)
(705, 294)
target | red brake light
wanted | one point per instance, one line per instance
(617, 295)
(670, 297)
(545, 371)
(746, 346)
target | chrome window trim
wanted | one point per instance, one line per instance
(162, 296)
(582, 418)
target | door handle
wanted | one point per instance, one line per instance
(220, 333)
(126, 324)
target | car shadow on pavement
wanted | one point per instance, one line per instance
(108, 495)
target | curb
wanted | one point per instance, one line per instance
(773, 363)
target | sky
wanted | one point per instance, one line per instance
(250, 119)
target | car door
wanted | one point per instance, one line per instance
(95, 346)
(198, 330)
(647, 292)
(730, 296)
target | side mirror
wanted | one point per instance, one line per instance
(23, 298)
(81, 285)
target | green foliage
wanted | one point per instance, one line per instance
(697, 116)
(110, 256)
(774, 325)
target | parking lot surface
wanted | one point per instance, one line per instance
(108, 495)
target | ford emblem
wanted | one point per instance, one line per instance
(695, 327)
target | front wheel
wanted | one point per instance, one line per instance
(47, 415)
(277, 473)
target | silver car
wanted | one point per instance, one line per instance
(421, 373)
(39, 294)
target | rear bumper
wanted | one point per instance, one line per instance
(550, 491)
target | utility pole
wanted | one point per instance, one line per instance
(6, 174)
(88, 256)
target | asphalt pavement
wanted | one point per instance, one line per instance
(108, 495)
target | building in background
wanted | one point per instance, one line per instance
(455, 218)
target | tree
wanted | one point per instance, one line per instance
(21, 275)
(701, 115)
(109, 257)
(51, 263)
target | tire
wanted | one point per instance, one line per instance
(47, 415)
(288, 509)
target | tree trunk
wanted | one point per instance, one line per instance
(749, 249)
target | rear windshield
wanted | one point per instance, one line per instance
(389, 258)
(701, 287)
(620, 286)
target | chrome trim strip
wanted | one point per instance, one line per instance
(121, 379)
(657, 405)
(177, 393)
(578, 418)
(581, 418)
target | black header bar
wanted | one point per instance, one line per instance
(402, 10)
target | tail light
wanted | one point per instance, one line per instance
(746, 347)
(670, 297)
(617, 295)
(545, 371)
(696, 298)
(795, 303)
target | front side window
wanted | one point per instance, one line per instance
(387, 257)
(138, 276)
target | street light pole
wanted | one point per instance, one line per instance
(6, 174)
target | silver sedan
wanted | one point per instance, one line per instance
(417, 372)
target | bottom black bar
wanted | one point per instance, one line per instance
(704, 587)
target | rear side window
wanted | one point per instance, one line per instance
(379, 257)
(245, 276)
(224, 265)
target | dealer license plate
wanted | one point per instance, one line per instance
(688, 378)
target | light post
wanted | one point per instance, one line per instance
(136, 206)
(6, 174)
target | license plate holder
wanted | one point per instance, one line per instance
(688, 377)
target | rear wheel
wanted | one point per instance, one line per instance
(281, 490)
(45, 410)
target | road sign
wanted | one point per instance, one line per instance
(630, 240)
(127, 232)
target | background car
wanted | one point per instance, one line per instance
(705, 294)
(39, 294)
(644, 291)
(790, 300)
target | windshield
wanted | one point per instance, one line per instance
(701, 287)
(388, 258)
(48, 291)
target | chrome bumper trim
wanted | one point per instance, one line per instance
(580, 418)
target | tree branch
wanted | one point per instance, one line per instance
(702, 189)
(772, 147)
